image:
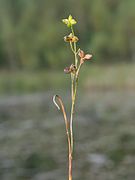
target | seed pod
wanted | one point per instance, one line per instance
(84, 57)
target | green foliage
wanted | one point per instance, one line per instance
(31, 37)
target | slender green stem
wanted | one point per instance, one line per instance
(76, 60)
(75, 48)
(74, 92)
(72, 115)
(72, 30)
(71, 124)
(72, 86)
(78, 70)
(74, 83)
(71, 47)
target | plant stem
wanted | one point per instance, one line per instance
(74, 85)
(71, 131)
(71, 121)
(72, 30)
(75, 53)
(70, 166)
(71, 47)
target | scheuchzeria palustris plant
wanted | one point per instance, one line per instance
(73, 70)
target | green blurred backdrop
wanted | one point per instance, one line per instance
(31, 32)
(32, 58)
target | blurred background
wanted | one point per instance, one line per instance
(33, 144)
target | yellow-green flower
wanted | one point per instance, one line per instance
(70, 21)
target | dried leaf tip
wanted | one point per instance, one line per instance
(54, 101)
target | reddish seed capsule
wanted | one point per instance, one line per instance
(81, 53)
(84, 57)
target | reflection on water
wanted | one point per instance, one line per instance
(33, 140)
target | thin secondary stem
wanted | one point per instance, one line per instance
(75, 48)
(71, 122)
(67, 131)
(72, 85)
(75, 53)
(77, 73)
(71, 47)
(73, 106)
